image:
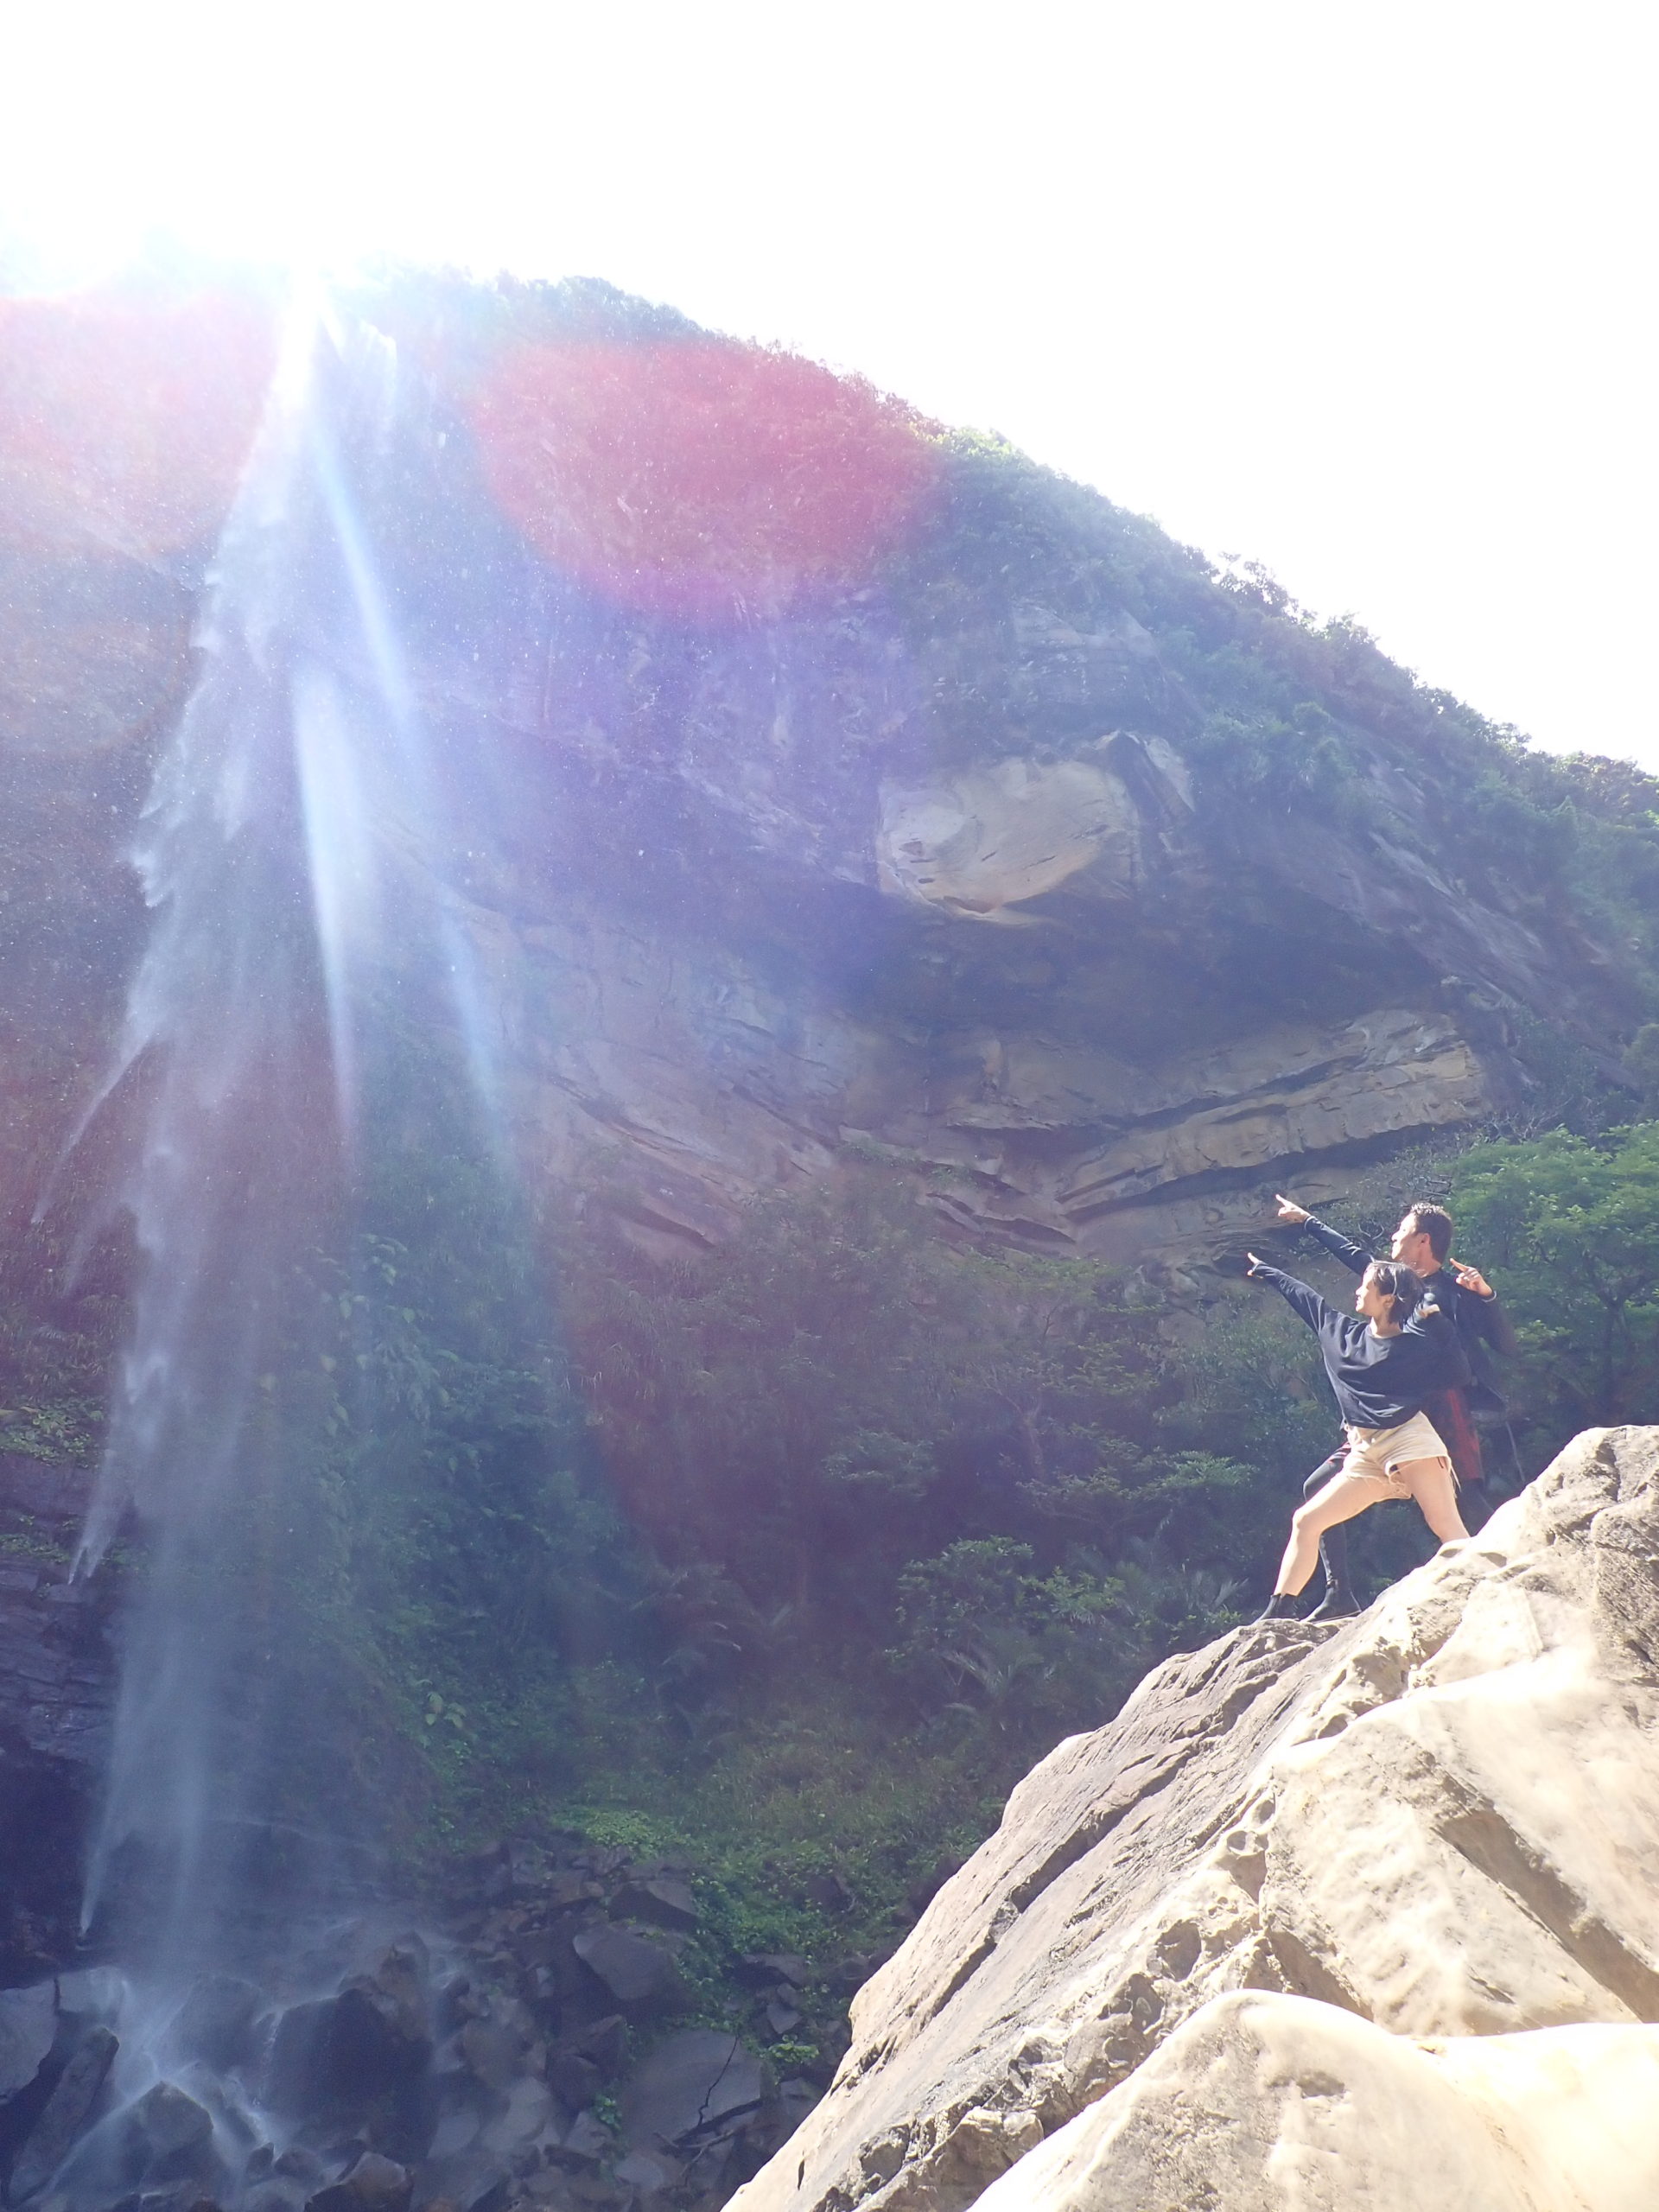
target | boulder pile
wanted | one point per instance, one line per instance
(541, 2051)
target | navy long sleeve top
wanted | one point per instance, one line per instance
(1482, 1325)
(1379, 1381)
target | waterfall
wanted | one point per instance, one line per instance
(282, 901)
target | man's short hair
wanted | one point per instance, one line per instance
(1432, 1222)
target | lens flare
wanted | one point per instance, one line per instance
(700, 477)
(125, 418)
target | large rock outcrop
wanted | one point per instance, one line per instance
(1324, 1918)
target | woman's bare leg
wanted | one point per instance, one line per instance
(1342, 1498)
(1431, 1484)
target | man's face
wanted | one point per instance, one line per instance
(1412, 1247)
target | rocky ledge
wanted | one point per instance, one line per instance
(1367, 1917)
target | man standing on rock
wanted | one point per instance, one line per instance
(1423, 1243)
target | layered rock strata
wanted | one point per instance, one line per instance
(1435, 1828)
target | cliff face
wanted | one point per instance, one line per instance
(792, 781)
(1015, 845)
(1361, 1917)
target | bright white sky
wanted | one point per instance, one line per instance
(1359, 289)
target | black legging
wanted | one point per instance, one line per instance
(1333, 1544)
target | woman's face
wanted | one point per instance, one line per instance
(1374, 1304)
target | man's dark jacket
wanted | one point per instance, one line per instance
(1483, 1326)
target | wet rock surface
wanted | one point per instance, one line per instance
(487, 2063)
(372, 2184)
(46, 2125)
(1438, 1819)
(564, 2073)
(691, 2086)
(28, 2020)
(56, 1695)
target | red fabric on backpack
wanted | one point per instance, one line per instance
(1449, 1411)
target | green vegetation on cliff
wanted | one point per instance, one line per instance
(1275, 710)
(787, 1561)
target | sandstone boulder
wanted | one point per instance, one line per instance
(635, 1970)
(980, 843)
(1439, 1820)
(341, 2053)
(374, 2184)
(1264, 2103)
(660, 1900)
(167, 2136)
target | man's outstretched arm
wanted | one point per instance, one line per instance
(1353, 1256)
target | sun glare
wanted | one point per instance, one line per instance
(1353, 297)
(125, 416)
(242, 131)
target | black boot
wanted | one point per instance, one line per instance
(1338, 1603)
(1280, 1607)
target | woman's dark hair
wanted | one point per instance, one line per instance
(1402, 1284)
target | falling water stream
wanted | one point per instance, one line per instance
(294, 851)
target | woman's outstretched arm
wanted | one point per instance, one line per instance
(1301, 1297)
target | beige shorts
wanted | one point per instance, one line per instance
(1375, 1455)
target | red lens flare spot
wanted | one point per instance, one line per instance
(125, 417)
(698, 476)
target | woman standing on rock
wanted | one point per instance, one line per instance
(1382, 1362)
